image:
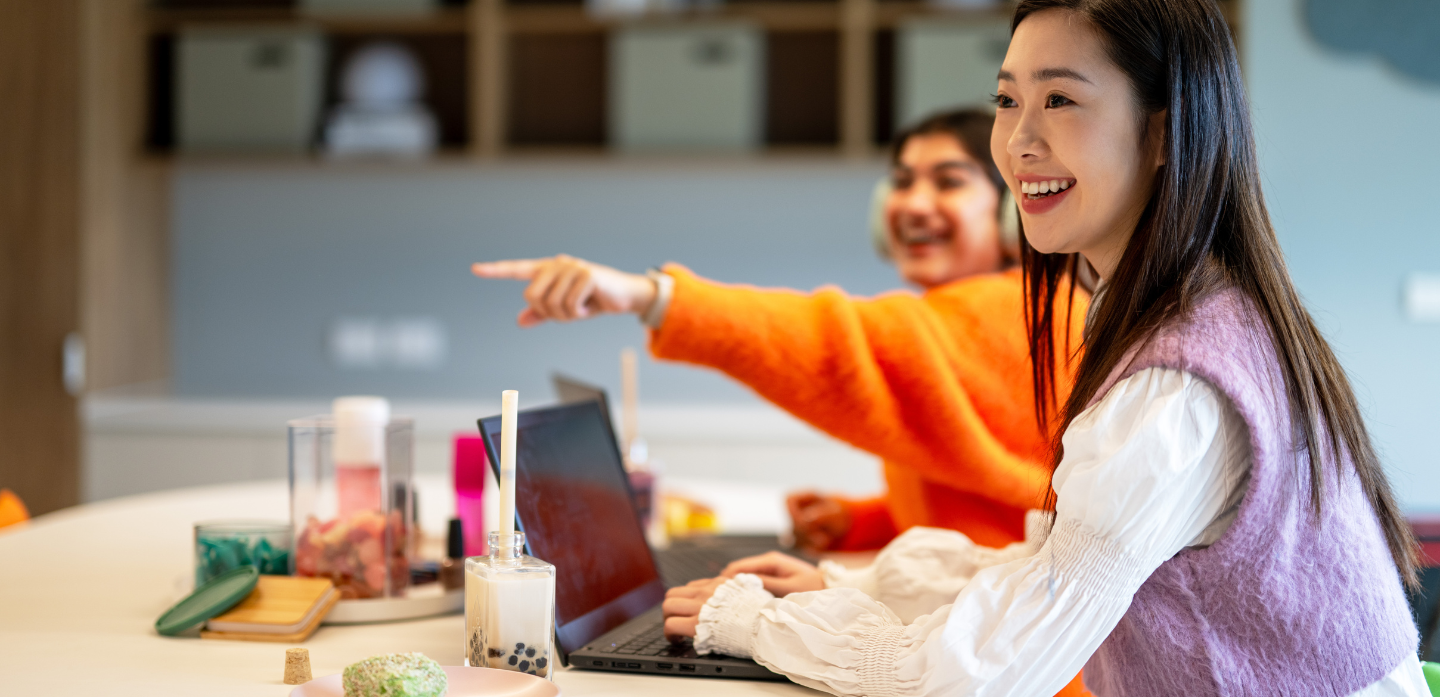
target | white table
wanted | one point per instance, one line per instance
(80, 591)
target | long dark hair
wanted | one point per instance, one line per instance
(1204, 228)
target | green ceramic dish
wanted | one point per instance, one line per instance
(220, 594)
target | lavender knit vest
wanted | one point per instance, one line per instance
(1281, 604)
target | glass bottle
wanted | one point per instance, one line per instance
(510, 609)
(345, 528)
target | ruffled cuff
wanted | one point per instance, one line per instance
(727, 622)
(863, 579)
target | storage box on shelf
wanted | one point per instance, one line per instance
(514, 77)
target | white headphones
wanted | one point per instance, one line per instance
(880, 228)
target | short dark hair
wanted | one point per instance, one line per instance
(971, 127)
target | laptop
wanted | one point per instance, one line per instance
(572, 391)
(684, 560)
(573, 502)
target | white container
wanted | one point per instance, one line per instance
(946, 64)
(351, 498)
(687, 87)
(248, 88)
(510, 609)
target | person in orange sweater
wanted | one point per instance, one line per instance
(938, 384)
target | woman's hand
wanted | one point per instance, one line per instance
(563, 288)
(682, 606)
(782, 574)
(820, 521)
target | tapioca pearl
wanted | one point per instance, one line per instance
(514, 660)
(525, 665)
(519, 646)
(530, 652)
(540, 662)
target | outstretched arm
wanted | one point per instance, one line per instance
(563, 288)
(938, 383)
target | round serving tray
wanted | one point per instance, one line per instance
(425, 601)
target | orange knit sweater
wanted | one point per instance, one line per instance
(937, 385)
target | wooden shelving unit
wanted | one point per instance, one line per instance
(525, 76)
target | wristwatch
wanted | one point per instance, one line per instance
(664, 289)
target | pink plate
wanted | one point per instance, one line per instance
(464, 682)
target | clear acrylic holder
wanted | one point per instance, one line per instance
(510, 609)
(365, 552)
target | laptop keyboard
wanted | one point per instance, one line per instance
(679, 566)
(652, 642)
(705, 557)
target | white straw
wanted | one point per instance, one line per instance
(509, 401)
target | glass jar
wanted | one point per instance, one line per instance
(352, 515)
(223, 545)
(510, 609)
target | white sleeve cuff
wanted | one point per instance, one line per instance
(863, 579)
(727, 622)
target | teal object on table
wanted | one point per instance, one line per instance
(223, 546)
(209, 600)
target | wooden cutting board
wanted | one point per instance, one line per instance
(279, 601)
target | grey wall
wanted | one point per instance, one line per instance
(1348, 146)
(266, 257)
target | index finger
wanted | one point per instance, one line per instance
(514, 269)
(763, 565)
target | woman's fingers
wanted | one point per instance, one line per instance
(680, 627)
(800, 499)
(515, 269)
(577, 296)
(759, 566)
(539, 287)
(769, 563)
(681, 606)
(556, 304)
(689, 591)
(564, 288)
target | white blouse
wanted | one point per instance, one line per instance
(1158, 465)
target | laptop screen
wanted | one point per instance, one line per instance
(573, 501)
(572, 391)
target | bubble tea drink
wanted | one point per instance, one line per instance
(509, 608)
(509, 597)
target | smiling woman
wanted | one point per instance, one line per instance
(1065, 113)
(1185, 553)
(944, 208)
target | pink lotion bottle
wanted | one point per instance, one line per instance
(470, 469)
(359, 452)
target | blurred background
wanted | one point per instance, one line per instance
(219, 214)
